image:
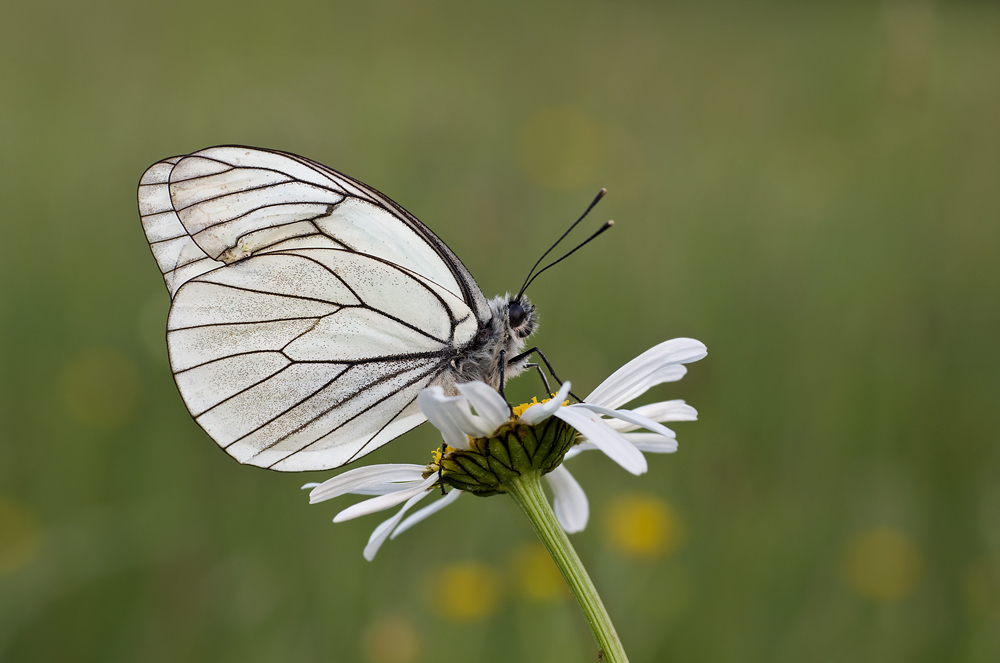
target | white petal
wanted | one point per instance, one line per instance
(670, 373)
(365, 477)
(439, 410)
(664, 411)
(542, 411)
(606, 438)
(385, 528)
(676, 410)
(569, 500)
(625, 427)
(384, 502)
(647, 442)
(383, 488)
(652, 443)
(660, 363)
(629, 416)
(488, 403)
(427, 511)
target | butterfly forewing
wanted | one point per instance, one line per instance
(223, 204)
(309, 310)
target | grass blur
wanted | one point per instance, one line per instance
(811, 190)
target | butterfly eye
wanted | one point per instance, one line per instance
(515, 313)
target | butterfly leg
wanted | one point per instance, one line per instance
(548, 389)
(526, 354)
(503, 364)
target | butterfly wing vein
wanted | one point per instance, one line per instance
(308, 311)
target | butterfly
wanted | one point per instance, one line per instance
(308, 310)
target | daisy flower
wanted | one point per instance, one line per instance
(488, 451)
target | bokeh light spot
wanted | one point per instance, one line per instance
(20, 536)
(537, 575)
(642, 526)
(882, 564)
(467, 591)
(101, 386)
(391, 639)
(560, 147)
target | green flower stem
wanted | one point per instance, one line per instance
(527, 492)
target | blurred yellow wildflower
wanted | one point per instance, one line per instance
(882, 564)
(391, 639)
(466, 591)
(537, 575)
(643, 526)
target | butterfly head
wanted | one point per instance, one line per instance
(511, 322)
(521, 318)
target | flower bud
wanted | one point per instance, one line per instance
(514, 449)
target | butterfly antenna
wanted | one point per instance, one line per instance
(579, 246)
(527, 279)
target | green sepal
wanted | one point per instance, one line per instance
(498, 451)
(451, 466)
(545, 443)
(471, 464)
(518, 452)
(514, 449)
(528, 440)
(502, 472)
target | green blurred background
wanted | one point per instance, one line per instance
(812, 189)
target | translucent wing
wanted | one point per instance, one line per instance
(308, 358)
(222, 204)
(308, 309)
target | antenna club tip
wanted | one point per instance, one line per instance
(603, 191)
(610, 223)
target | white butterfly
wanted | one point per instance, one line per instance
(309, 309)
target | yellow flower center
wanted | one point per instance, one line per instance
(519, 409)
